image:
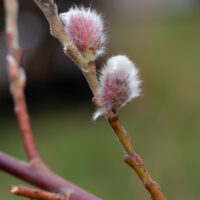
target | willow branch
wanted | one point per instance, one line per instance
(17, 78)
(35, 193)
(34, 172)
(88, 69)
(87, 66)
(44, 179)
(134, 160)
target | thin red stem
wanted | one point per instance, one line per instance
(44, 179)
(17, 89)
(24, 124)
(36, 193)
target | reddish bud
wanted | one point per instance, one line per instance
(139, 160)
(85, 28)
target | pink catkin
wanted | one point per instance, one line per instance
(85, 29)
(116, 90)
(119, 83)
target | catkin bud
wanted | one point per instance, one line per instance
(119, 83)
(85, 28)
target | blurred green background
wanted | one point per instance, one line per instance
(163, 39)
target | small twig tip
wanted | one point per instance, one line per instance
(14, 189)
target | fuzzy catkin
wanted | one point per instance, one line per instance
(119, 83)
(85, 28)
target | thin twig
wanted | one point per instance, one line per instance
(17, 78)
(35, 172)
(134, 160)
(36, 194)
(88, 68)
(44, 179)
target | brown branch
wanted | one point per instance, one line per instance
(87, 66)
(134, 160)
(50, 11)
(88, 69)
(36, 194)
(44, 179)
(17, 78)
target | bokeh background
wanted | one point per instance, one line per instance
(163, 38)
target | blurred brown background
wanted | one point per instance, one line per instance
(163, 38)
